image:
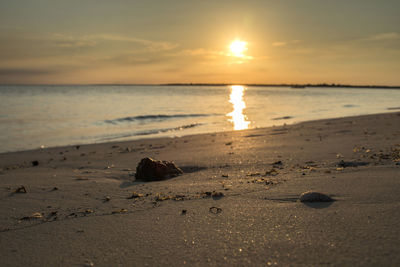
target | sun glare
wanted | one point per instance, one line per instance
(237, 48)
(238, 119)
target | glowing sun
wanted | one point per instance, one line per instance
(237, 48)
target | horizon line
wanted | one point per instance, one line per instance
(298, 85)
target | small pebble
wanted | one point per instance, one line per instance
(89, 264)
(20, 189)
(215, 210)
(135, 195)
(217, 195)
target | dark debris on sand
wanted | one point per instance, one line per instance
(345, 164)
(149, 169)
(20, 189)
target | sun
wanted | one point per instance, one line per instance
(238, 47)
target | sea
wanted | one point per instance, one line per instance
(38, 116)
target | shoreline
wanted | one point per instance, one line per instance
(155, 138)
(79, 206)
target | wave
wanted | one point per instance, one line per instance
(282, 118)
(150, 132)
(349, 106)
(158, 117)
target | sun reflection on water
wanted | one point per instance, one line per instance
(238, 119)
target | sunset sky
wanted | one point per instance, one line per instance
(168, 41)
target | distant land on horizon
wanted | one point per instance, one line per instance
(293, 85)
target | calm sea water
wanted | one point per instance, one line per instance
(35, 116)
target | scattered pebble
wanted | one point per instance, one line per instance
(20, 189)
(119, 211)
(271, 172)
(253, 174)
(35, 163)
(262, 181)
(87, 211)
(345, 164)
(178, 197)
(311, 196)
(217, 195)
(207, 193)
(53, 213)
(161, 197)
(183, 212)
(135, 195)
(109, 167)
(89, 264)
(34, 216)
(215, 210)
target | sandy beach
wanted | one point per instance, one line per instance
(236, 203)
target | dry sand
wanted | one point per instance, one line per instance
(76, 211)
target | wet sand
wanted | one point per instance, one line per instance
(236, 203)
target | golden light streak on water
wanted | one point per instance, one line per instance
(238, 119)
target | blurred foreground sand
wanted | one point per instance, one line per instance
(236, 203)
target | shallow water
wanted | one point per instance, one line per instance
(35, 116)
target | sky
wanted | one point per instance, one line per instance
(186, 41)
